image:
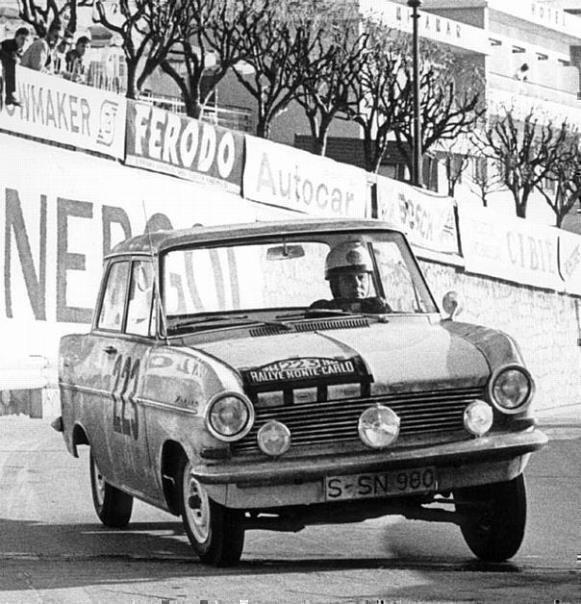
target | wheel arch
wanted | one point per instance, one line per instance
(171, 454)
(79, 437)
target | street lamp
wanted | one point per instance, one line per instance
(417, 163)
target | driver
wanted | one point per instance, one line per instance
(349, 270)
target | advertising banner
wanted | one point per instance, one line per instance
(174, 144)
(509, 248)
(55, 229)
(283, 176)
(427, 219)
(57, 110)
(570, 261)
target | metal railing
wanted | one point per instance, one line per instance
(226, 116)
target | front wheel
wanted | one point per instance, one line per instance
(216, 533)
(494, 518)
(112, 505)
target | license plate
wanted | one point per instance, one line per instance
(381, 484)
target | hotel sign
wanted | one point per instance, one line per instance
(434, 27)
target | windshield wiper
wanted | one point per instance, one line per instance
(227, 321)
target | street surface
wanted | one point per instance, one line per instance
(53, 549)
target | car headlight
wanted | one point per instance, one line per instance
(274, 438)
(478, 418)
(229, 416)
(511, 389)
(378, 426)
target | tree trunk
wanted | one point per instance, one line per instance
(368, 151)
(263, 127)
(131, 77)
(320, 143)
(521, 209)
(559, 217)
(193, 107)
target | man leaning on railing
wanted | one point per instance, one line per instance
(10, 55)
(38, 55)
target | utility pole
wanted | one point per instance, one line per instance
(417, 163)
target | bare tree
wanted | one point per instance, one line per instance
(205, 27)
(486, 178)
(528, 152)
(41, 14)
(454, 156)
(328, 70)
(148, 30)
(451, 101)
(566, 178)
(271, 35)
(377, 92)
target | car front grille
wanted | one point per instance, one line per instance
(327, 422)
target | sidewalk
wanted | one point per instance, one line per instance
(560, 423)
(566, 415)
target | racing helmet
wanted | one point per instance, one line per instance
(348, 257)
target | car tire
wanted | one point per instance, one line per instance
(215, 532)
(112, 505)
(496, 530)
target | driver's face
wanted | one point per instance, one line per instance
(353, 286)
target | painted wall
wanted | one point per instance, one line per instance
(546, 325)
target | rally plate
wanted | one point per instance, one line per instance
(381, 484)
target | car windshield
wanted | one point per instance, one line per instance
(363, 273)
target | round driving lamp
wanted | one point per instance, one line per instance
(229, 416)
(511, 389)
(478, 417)
(274, 438)
(378, 427)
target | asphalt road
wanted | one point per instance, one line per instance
(53, 549)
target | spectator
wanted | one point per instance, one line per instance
(10, 54)
(74, 58)
(38, 56)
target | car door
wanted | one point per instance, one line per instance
(124, 332)
(129, 409)
(106, 360)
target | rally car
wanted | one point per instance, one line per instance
(278, 375)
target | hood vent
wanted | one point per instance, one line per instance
(321, 325)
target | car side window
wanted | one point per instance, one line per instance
(113, 303)
(139, 312)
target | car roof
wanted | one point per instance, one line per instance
(159, 241)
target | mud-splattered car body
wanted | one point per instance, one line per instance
(287, 414)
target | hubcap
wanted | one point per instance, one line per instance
(99, 484)
(197, 506)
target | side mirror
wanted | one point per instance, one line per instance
(452, 305)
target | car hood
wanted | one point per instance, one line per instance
(392, 357)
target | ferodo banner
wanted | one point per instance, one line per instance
(283, 176)
(60, 213)
(57, 110)
(570, 261)
(509, 248)
(427, 219)
(166, 142)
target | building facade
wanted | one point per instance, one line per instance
(528, 52)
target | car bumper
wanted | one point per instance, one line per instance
(274, 483)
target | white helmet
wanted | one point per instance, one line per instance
(348, 257)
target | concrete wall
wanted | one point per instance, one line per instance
(544, 323)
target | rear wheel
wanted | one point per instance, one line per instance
(495, 518)
(112, 505)
(216, 533)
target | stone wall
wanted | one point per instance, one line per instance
(544, 323)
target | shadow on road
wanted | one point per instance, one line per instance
(90, 554)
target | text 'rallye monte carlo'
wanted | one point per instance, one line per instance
(277, 375)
